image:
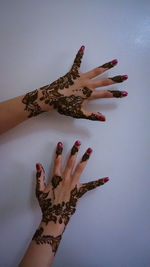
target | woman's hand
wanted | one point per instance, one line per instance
(58, 199)
(69, 94)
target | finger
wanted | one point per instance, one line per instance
(40, 178)
(99, 70)
(72, 159)
(81, 165)
(78, 58)
(91, 185)
(58, 159)
(108, 94)
(107, 81)
(94, 116)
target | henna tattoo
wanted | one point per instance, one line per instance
(74, 150)
(56, 180)
(86, 91)
(59, 150)
(117, 79)
(85, 157)
(63, 211)
(108, 65)
(70, 105)
(46, 239)
(31, 105)
(116, 93)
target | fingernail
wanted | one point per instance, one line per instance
(106, 180)
(124, 77)
(124, 93)
(114, 62)
(89, 151)
(77, 143)
(82, 48)
(37, 166)
(59, 144)
(101, 117)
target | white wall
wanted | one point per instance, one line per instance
(39, 40)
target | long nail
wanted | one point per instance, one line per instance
(101, 117)
(124, 93)
(106, 179)
(77, 143)
(89, 151)
(82, 48)
(37, 166)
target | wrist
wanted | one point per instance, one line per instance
(52, 228)
(45, 107)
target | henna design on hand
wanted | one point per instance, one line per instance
(63, 211)
(74, 150)
(118, 79)
(59, 149)
(31, 104)
(70, 104)
(47, 239)
(116, 93)
(109, 64)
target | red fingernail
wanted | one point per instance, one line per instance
(37, 166)
(77, 143)
(101, 117)
(124, 77)
(82, 48)
(106, 180)
(114, 62)
(124, 93)
(60, 144)
(89, 151)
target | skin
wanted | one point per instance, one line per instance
(68, 95)
(56, 211)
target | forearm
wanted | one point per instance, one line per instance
(18, 109)
(43, 246)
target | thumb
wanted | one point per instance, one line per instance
(94, 116)
(91, 185)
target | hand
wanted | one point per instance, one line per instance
(59, 198)
(69, 94)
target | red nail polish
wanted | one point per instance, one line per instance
(101, 117)
(89, 151)
(114, 62)
(60, 144)
(124, 93)
(37, 166)
(77, 143)
(82, 48)
(124, 77)
(106, 180)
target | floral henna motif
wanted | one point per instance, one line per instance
(46, 239)
(62, 212)
(56, 180)
(31, 105)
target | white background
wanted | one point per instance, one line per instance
(39, 40)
